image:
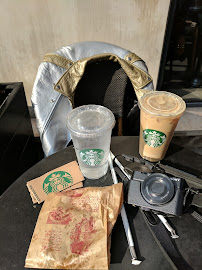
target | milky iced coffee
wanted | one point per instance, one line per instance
(160, 112)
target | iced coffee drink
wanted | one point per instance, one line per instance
(160, 112)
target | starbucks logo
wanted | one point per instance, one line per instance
(153, 138)
(91, 157)
(57, 181)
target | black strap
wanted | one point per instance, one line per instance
(191, 210)
(165, 242)
(191, 179)
(197, 216)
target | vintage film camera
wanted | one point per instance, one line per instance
(157, 192)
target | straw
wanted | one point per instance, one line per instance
(124, 219)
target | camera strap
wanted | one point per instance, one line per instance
(156, 227)
(193, 193)
(164, 241)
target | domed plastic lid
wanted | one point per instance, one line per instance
(89, 120)
(157, 189)
(162, 103)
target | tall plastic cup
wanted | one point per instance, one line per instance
(90, 127)
(160, 112)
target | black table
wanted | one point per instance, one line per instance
(18, 216)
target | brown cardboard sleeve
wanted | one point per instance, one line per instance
(55, 180)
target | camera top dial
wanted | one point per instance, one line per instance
(157, 189)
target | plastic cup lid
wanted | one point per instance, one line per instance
(89, 120)
(162, 103)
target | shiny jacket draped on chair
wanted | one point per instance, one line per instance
(58, 76)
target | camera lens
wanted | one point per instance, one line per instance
(157, 189)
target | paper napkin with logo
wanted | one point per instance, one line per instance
(67, 176)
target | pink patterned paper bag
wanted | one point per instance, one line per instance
(73, 229)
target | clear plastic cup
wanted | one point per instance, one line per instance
(90, 127)
(160, 112)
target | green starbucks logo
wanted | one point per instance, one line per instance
(154, 138)
(91, 157)
(57, 181)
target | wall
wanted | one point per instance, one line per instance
(29, 29)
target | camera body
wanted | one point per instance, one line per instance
(157, 192)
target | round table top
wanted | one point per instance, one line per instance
(19, 216)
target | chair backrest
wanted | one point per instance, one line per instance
(87, 73)
(106, 83)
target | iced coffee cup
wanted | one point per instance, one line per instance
(160, 112)
(91, 127)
